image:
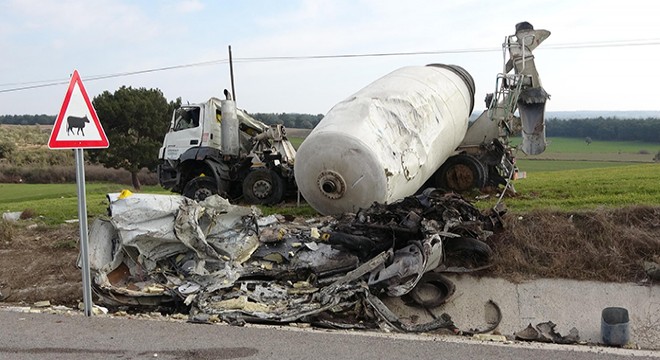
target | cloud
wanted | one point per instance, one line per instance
(44, 39)
(99, 20)
(189, 6)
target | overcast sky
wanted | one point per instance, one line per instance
(44, 41)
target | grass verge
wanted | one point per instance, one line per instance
(604, 245)
(583, 189)
(55, 203)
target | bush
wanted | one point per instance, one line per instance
(6, 149)
(58, 174)
(6, 231)
(28, 214)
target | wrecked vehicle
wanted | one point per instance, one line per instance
(216, 148)
(218, 259)
(409, 130)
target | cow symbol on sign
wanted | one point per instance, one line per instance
(76, 122)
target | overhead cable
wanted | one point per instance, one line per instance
(47, 83)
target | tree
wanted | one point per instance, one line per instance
(135, 121)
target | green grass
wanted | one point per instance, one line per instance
(586, 189)
(557, 145)
(59, 202)
(304, 210)
(56, 203)
(296, 141)
(532, 166)
(603, 176)
(567, 190)
(577, 149)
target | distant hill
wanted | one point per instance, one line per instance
(564, 115)
(308, 121)
(593, 114)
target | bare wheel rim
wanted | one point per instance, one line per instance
(262, 189)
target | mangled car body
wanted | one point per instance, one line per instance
(228, 261)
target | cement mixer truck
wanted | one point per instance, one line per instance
(215, 148)
(409, 129)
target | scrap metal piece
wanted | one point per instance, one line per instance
(409, 265)
(528, 334)
(146, 222)
(443, 322)
(189, 232)
(545, 332)
(492, 323)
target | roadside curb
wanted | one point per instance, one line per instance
(567, 303)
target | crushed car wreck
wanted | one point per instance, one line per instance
(223, 260)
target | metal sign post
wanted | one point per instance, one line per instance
(84, 240)
(70, 131)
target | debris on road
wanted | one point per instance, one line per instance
(42, 304)
(652, 269)
(545, 332)
(228, 262)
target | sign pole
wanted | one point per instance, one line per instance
(70, 132)
(82, 221)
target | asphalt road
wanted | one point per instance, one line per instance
(47, 336)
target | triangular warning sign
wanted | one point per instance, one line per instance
(77, 126)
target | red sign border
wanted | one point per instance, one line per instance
(53, 143)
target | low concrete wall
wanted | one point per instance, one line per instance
(567, 303)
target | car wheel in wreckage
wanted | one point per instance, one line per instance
(461, 173)
(263, 187)
(200, 188)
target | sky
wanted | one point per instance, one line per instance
(602, 54)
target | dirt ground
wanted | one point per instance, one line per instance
(38, 262)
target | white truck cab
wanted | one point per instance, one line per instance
(213, 147)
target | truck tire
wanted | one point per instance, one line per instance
(200, 188)
(466, 248)
(263, 187)
(444, 289)
(461, 173)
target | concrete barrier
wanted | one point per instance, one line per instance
(567, 303)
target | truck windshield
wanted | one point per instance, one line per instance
(186, 118)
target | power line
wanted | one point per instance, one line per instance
(602, 44)
(41, 84)
(55, 82)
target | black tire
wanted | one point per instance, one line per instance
(445, 288)
(461, 173)
(263, 187)
(200, 188)
(467, 248)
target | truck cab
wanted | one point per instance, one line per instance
(213, 148)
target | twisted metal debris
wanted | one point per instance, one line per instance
(227, 261)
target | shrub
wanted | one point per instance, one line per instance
(6, 231)
(28, 214)
(58, 174)
(6, 149)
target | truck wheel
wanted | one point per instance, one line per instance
(467, 248)
(461, 173)
(200, 188)
(263, 187)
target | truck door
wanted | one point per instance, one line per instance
(185, 132)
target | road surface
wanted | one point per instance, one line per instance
(48, 336)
